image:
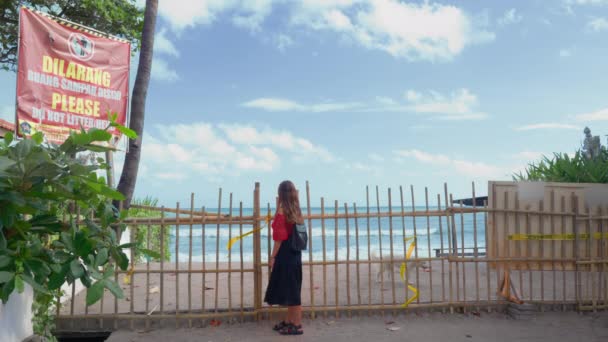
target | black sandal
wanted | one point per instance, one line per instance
(292, 329)
(280, 326)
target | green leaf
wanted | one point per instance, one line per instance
(8, 138)
(114, 288)
(128, 245)
(76, 269)
(6, 276)
(102, 257)
(5, 260)
(150, 253)
(38, 137)
(86, 280)
(100, 135)
(19, 284)
(7, 289)
(82, 244)
(81, 139)
(37, 287)
(126, 131)
(95, 292)
(56, 280)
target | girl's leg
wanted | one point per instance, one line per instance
(297, 315)
(290, 315)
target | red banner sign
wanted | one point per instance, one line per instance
(68, 77)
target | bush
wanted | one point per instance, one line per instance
(562, 168)
(141, 234)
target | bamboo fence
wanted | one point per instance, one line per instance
(460, 259)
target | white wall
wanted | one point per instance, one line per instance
(16, 316)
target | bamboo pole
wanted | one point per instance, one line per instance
(217, 250)
(162, 255)
(347, 260)
(590, 285)
(162, 262)
(462, 245)
(455, 251)
(257, 251)
(269, 234)
(133, 234)
(204, 264)
(357, 255)
(441, 248)
(229, 257)
(324, 255)
(403, 229)
(369, 266)
(336, 274)
(380, 250)
(450, 244)
(177, 229)
(488, 269)
(120, 206)
(242, 266)
(310, 269)
(506, 242)
(575, 210)
(601, 254)
(190, 258)
(428, 240)
(169, 210)
(476, 253)
(390, 225)
(415, 240)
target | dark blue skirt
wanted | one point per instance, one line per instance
(285, 284)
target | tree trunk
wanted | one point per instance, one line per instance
(128, 177)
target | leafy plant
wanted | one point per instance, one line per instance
(563, 168)
(57, 221)
(141, 234)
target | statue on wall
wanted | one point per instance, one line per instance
(591, 145)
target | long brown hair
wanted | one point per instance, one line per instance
(288, 200)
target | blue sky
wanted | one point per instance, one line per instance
(348, 93)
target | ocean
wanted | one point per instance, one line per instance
(431, 234)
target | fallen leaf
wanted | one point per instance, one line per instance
(469, 336)
(215, 323)
(316, 287)
(476, 313)
(208, 288)
(155, 289)
(393, 328)
(330, 322)
(389, 322)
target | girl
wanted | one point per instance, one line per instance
(285, 282)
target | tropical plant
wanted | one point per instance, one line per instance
(57, 221)
(148, 237)
(563, 168)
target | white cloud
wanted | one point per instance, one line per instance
(162, 44)
(463, 167)
(426, 31)
(251, 14)
(181, 151)
(459, 105)
(282, 140)
(597, 24)
(587, 2)
(529, 155)
(162, 71)
(274, 104)
(565, 52)
(600, 115)
(248, 14)
(510, 17)
(283, 41)
(546, 125)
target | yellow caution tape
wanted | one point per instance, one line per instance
(570, 236)
(235, 239)
(403, 269)
(127, 278)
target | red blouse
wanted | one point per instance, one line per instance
(280, 228)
